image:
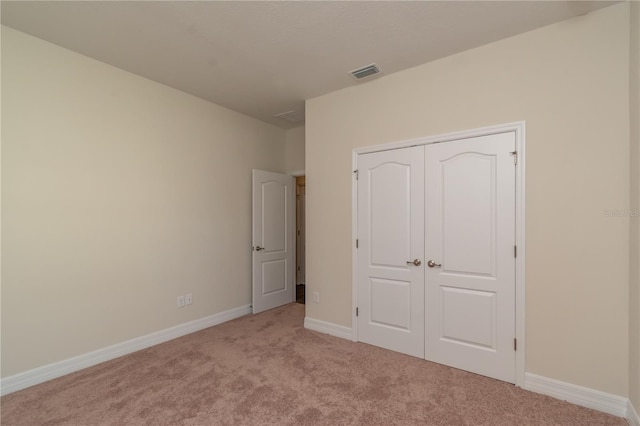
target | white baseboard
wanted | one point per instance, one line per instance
(585, 397)
(51, 371)
(328, 328)
(632, 415)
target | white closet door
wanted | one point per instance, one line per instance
(470, 237)
(391, 237)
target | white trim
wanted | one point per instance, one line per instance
(632, 415)
(354, 250)
(445, 137)
(585, 397)
(51, 371)
(519, 129)
(327, 328)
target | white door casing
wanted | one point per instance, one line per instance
(390, 238)
(470, 231)
(273, 234)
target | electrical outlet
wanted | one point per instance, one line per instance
(188, 299)
(180, 301)
(316, 297)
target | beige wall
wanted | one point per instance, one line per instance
(294, 150)
(634, 287)
(119, 194)
(570, 82)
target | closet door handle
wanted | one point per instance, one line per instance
(416, 262)
(258, 248)
(432, 264)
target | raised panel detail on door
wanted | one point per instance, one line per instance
(274, 207)
(391, 236)
(468, 213)
(469, 317)
(470, 233)
(390, 213)
(274, 276)
(390, 303)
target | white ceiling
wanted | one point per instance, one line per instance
(262, 58)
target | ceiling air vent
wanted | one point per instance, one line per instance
(290, 116)
(365, 71)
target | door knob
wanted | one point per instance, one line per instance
(433, 264)
(416, 262)
(258, 248)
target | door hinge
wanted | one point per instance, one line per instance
(356, 173)
(357, 312)
(515, 344)
(356, 243)
(515, 251)
(515, 157)
(298, 269)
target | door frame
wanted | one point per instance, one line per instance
(518, 128)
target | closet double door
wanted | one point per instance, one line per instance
(435, 259)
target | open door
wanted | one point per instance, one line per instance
(273, 240)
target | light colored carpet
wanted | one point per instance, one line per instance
(266, 369)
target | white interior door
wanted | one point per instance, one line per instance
(470, 237)
(273, 240)
(390, 238)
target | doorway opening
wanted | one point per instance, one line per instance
(300, 239)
